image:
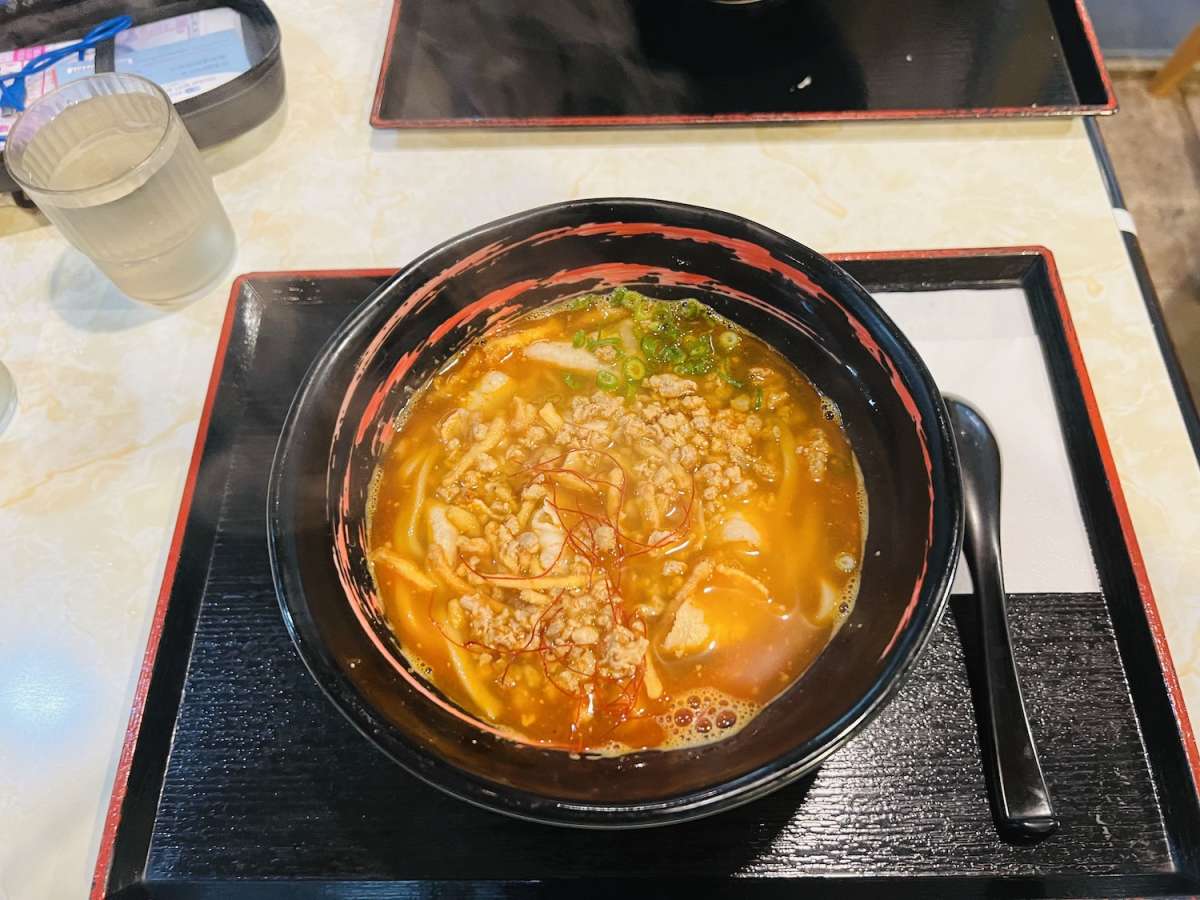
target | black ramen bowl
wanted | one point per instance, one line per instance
(802, 304)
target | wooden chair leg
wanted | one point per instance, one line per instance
(1186, 55)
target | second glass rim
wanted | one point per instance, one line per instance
(97, 76)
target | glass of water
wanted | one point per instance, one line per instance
(109, 161)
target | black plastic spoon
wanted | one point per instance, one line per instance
(1020, 799)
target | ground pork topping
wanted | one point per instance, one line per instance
(529, 574)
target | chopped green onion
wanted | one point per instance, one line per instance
(727, 340)
(607, 381)
(619, 296)
(689, 308)
(571, 381)
(579, 339)
(671, 355)
(606, 342)
(702, 346)
(699, 366)
(633, 369)
(584, 302)
(758, 399)
(650, 345)
(729, 379)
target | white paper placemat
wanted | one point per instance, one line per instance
(981, 346)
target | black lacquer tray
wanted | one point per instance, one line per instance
(646, 62)
(239, 779)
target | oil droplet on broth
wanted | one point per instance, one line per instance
(424, 669)
(703, 717)
(830, 411)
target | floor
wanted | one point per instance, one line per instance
(1155, 147)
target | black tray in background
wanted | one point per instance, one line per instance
(644, 62)
(212, 117)
(239, 779)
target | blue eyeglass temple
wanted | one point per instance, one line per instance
(12, 87)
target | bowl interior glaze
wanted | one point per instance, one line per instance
(803, 305)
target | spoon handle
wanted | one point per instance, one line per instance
(1022, 802)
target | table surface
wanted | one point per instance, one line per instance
(92, 467)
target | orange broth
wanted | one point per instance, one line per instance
(616, 524)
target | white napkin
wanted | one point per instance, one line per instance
(981, 346)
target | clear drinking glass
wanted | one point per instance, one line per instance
(109, 161)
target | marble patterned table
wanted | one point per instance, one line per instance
(92, 467)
